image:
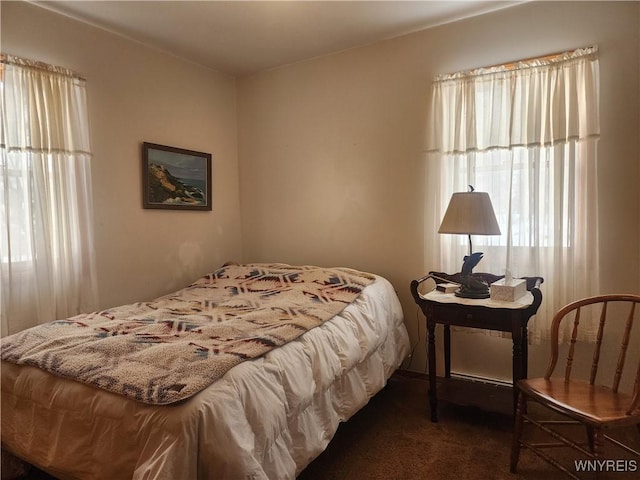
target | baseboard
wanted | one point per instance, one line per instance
(459, 376)
(476, 378)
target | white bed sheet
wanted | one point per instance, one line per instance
(266, 418)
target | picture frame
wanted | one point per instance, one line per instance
(175, 178)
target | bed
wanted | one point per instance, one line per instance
(268, 416)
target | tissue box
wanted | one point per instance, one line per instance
(508, 291)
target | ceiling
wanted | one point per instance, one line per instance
(244, 37)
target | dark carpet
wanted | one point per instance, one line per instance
(393, 438)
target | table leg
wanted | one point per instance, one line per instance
(447, 351)
(518, 364)
(525, 353)
(433, 400)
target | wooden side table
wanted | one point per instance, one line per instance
(448, 309)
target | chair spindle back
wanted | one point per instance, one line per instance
(575, 309)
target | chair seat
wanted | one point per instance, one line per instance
(595, 405)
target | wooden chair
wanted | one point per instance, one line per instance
(596, 407)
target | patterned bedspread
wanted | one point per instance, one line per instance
(167, 350)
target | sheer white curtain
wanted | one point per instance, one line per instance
(47, 268)
(527, 134)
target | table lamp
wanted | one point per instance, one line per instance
(470, 213)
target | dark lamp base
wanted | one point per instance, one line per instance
(476, 295)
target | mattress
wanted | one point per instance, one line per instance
(265, 418)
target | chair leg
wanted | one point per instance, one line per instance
(590, 439)
(517, 431)
(597, 445)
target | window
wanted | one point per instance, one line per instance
(46, 244)
(527, 134)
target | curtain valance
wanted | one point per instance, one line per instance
(45, 98)
(531, 103)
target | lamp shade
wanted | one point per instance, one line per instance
(470, 213)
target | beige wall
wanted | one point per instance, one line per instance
(332, 151)
(136, 94)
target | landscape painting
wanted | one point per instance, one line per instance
(175, 178)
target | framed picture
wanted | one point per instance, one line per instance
(175, 178)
